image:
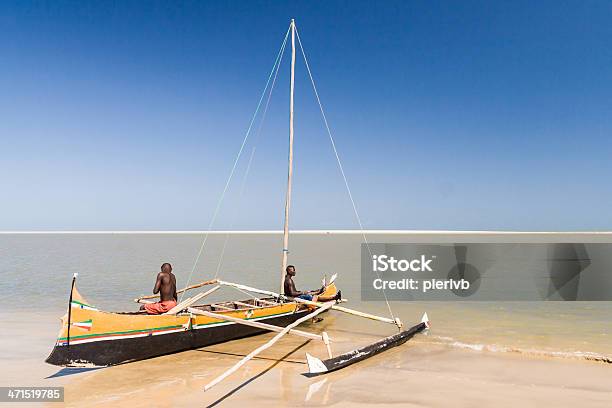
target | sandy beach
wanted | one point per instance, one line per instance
(421, 373)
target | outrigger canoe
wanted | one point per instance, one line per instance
(93, 337)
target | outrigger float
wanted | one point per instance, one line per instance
(92, 337)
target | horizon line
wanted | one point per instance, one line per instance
(314, 232)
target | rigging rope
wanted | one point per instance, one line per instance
(257, 137)
(231, 175)
(227, 235)
(244, 179)
(348, 189)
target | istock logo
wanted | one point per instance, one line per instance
(383, 263)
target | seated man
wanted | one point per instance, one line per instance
(291, 291)
(165, 285)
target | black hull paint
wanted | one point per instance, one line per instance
(112, 352)
(352, 357)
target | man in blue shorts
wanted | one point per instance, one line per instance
(291, 291)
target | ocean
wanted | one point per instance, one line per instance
(115, 268)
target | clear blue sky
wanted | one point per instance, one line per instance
(447, 115)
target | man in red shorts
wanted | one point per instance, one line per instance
(165, 285)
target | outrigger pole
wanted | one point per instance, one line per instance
(253, 323)
(396, 322)
(290, 172)
(197, 285)
(266, 345)
(190, 301)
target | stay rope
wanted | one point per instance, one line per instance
(333, 143)
(231, 175)
(227, 235)
(248, 167)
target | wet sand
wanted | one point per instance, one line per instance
(421, 373)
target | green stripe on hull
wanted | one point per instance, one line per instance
(84, 336)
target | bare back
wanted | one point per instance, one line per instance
(165, 285)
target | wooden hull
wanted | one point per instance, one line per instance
(318, 367)
(123, 350)
(91, 337)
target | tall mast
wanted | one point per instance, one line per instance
(290, 172)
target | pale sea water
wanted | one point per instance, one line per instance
(36, 271)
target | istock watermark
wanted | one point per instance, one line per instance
(383, 263)
(487, 271)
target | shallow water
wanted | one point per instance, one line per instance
(115, 268)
